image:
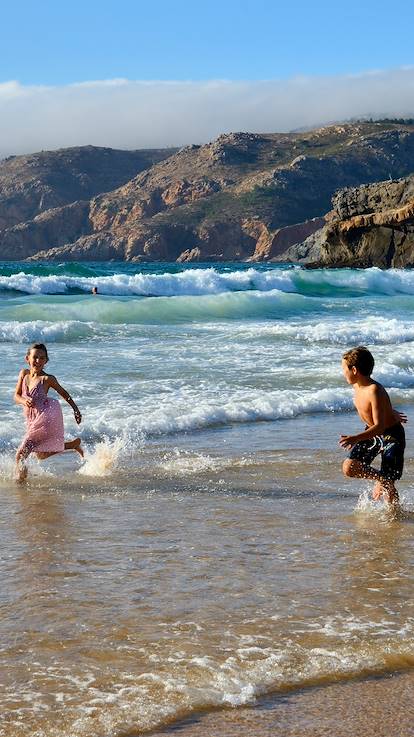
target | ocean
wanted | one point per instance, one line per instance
(208, 553)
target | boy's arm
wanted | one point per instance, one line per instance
(400, 416)
(18, 398)
(378, 403)
(54, 384)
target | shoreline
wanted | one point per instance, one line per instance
(374, 706)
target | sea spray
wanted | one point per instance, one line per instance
(102, 459)
(7, 468)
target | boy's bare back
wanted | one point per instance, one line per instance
(373, 400)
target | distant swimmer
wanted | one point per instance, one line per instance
(44, 419)
(94, 290)
(383, 435)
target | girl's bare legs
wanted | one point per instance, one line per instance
(21, 468)
(69, 445)
(21, 472)
(24, 452)
(74, 445)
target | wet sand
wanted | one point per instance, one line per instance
(375, 707)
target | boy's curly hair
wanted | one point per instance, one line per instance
(361, 358)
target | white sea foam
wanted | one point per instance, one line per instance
(211, 281)
(46, 332)
(182, 685)
(190, 282)
(242, 407)
(373, 280)
(114, 438)
(336, 332)
(7, 467)
(186, 463)
(371, 330)
(394, 376)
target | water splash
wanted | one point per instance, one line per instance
(103, 458)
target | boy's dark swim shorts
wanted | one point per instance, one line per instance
(391, 445)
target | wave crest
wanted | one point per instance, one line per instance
(208, 281)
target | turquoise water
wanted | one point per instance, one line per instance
(208, 550)
(181, 349)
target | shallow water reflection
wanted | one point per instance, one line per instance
(130, 602)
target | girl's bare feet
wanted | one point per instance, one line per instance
(75, 445)
(21, 472)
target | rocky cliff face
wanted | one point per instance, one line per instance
(244, 196)
(273, 246)
(370, 226)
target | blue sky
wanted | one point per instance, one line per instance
(133, 74)
(56, 42)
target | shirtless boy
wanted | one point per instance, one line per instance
(383, 432)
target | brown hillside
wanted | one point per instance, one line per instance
(230, 199)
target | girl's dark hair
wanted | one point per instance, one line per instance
(361, 358)
(38, 347)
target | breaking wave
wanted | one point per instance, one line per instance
(372, 330)
(177, 684)
(208, 281)
(62, 331)
(164, 310)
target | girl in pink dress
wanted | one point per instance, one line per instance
(44, 419)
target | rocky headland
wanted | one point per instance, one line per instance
(242, 197)
(371, 225)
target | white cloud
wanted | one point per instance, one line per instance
(128, 114)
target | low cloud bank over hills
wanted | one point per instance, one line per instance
(135, 114)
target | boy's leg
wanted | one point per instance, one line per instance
(386, 487)
(392, 464)
(357, 465)
(357, 469)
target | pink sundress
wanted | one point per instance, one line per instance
(44, 422)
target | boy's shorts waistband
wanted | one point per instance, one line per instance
(395, 431)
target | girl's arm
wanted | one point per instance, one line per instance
(54, 384)
(18, 397)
